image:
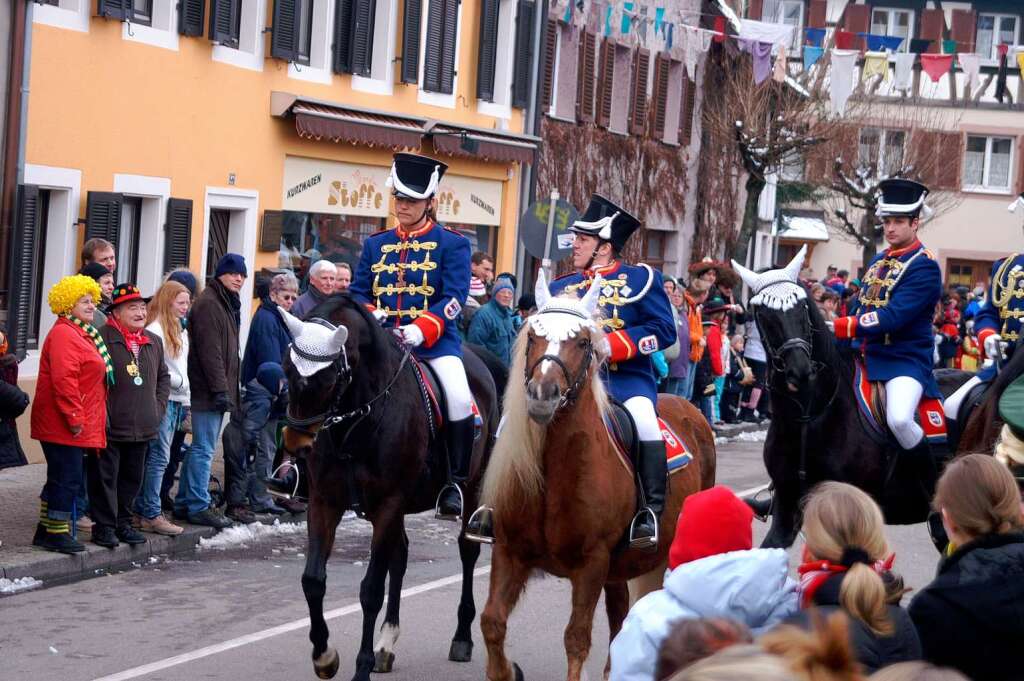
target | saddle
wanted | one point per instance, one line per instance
(622, 433)
(435, 403)
(871, 402)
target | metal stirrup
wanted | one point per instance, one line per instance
(644, 542)
(476, 517)
(438, 515)
(295, 490)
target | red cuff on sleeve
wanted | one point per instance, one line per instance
(432, 327)
(982, 335)
(845, 327)
(369, 307)
(622, 347)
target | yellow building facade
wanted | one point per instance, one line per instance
(180, 148)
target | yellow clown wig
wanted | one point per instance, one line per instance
(66, 292)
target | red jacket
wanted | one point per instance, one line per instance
(715, 350)
(71, 390)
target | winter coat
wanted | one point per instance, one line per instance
(752, 587)
(213, 362)
(177, 367)
(259, 407)
(872, 650)
(134, 412)
(971, 617)
(302, 306)
(269, 339)
(696, 329)
(71, 390)
(493, 327)
(13, 402)
(678, 367)
(716, 344)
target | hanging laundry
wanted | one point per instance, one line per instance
(720, 29)
(1002, 49)
(920, 45)
(875, 64)
(698, 41)
(936, 65)
(762, 54)
(779, 70)
(1001, 90)
(659, 18)
(811, 56)
(763, 32)
(891, 42)
(844, 40)
(948, 47)
(627, 12)
(815, 36)
(843, 63)
(904, 70)
(1020, 62)
(971, 65)
(669, 35)
(608, 21)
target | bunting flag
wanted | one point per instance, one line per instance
(949, 47)
(815, 37)
(811, 56)
(659, 18)
(627, 10)
(844, 40)
(920, 45)
(880, 43)
(935, 65)
(779, 70)
(904, 70)
(892, 43)
(843, 62)
(875, 64)
(608, 21)
(763, 32)
(720, 29)
(971, 65)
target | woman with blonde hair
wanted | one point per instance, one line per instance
(970, 617)
(847, 567)
(165, 318)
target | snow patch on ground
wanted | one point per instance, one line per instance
(242, 536)
(13, 586)
(746, 436)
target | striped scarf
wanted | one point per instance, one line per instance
(97, 339)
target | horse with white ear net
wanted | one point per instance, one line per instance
(777, 289)
(560, 318)
(316, 345)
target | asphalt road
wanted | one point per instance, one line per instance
(238, 613)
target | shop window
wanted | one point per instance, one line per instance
(895, 23)
(987, 163)
(995, 30)
(338, 238)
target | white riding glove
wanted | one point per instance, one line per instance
(380, 315)
(412, 335)
(993, 346)
(603, 347)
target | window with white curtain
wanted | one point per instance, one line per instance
(881, 151)
(995, 30)
(791, 13)
(896, 23)
(987, 163)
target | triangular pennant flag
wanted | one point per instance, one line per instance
(971, 65)
(920, 45)
(659, 18)
(811, 55)
(815, 37)
(949, 47)
(844, 40)
(875, 64)
(876, 43)
(890, 42)
(935, 65)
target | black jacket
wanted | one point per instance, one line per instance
(213, 362)
(13, 402)
(972, 616)
(872, 651)
(134, 412)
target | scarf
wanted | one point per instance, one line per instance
(232, 300)
(97, 340)
(133, 339)
(816, 572)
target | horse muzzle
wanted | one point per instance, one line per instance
(296, 440)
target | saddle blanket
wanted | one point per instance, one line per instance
(434, 395)
(871, 402)
(677, 454)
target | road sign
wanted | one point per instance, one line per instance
(542, 228)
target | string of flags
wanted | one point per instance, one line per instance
(631, 22)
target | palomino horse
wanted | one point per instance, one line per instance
(358, 412)
(981, 431)
(817, 431)
(563, 498)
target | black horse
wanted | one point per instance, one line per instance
(358, 413)
(817, 432)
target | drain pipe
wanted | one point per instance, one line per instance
(528, 181)
(15, 126)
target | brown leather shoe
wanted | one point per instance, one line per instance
(158, 525)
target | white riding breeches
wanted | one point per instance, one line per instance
(902, 395)
(646, 419)
(951, 405)
(452, 373)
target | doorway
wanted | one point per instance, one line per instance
(217, 241)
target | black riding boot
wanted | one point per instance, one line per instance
(459, 442)
(653, 472)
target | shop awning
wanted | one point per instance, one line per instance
(319, 120)
(804, 228)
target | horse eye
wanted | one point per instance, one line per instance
(582, 342)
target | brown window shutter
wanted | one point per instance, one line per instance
(857, 20)
(816, 14)
(586, 78)
(686, 110)
(550, 45)
(661, 70)
(755, 9)
(933, 23)
(638, 99)
(940, 156)
(606, 83)
(964, 23)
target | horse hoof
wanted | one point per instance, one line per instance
(326, 666)
(517, 673)
(461, 651)
(383, 662)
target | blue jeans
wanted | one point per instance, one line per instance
(691, 376)
(675, 386)
(147, 503)
(194, 480)
(63, 479)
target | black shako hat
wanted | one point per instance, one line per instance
(414, 176)
(899, 198)
(607, 222)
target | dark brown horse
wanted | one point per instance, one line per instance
(563, 498)
(358, 414)
(981, 431)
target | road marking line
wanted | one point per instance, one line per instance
(285, 628)
(752, 490)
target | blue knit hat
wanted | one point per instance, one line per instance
(231, 263)
(502, 283)
(186, 279)
(270, 375)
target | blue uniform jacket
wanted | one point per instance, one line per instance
(1004, 307)
(894, 323)
(419, 278)
(636, 329)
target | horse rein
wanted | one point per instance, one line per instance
(574, 384)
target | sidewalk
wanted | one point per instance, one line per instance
(734, 429)
(19, 512)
